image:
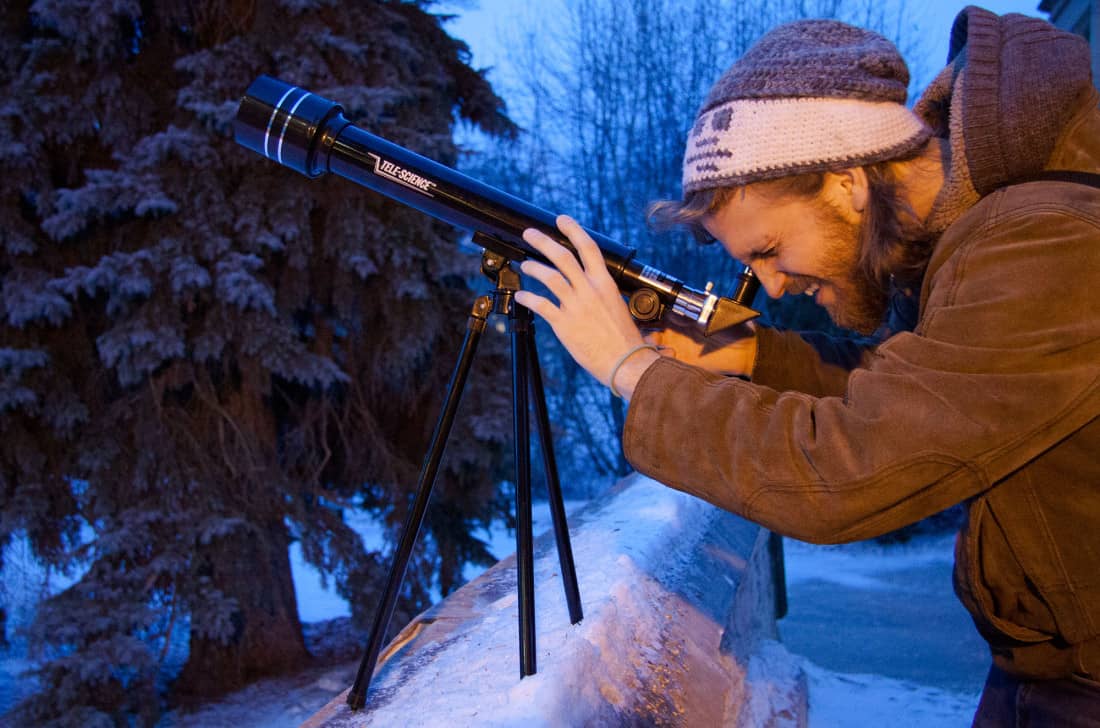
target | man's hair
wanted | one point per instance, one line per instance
(894, 244)
(690, 212)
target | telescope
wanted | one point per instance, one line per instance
(311, 135)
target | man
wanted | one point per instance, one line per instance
(805, 164)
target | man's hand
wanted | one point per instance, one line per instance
(730, 352)
(590, 319)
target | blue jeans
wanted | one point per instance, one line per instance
(1008, 702)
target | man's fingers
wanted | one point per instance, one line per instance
(547, 276)
(586, 247)
(590, 254)
(541, 306)
(559, 255)
(591, 264)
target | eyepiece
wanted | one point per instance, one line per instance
(284, 123)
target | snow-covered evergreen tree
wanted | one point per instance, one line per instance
(204, 356)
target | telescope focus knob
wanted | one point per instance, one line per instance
(645, 304)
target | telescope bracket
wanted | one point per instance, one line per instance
(501, 248)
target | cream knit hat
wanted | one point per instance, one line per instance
(809, 96)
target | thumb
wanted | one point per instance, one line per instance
(658, 339)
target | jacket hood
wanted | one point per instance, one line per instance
(1011, 85)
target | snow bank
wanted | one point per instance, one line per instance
(679, 629)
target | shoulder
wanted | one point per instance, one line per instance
(1022, 253)
(1040, 197)
(1031, 212)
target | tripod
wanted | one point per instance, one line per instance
(525, 374)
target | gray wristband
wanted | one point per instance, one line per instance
(621, 361)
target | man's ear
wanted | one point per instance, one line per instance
(849, 189)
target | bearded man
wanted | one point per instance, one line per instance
(981, 202)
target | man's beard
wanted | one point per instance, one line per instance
(861, 303)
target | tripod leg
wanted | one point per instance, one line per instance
(478, 317)
(553, 485)
(525, 560)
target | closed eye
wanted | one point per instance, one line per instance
(702, 237)
(770, 250)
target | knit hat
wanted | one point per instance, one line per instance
(809, 96)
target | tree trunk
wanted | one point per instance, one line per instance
(254, 569)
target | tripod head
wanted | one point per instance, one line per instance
(311, 135)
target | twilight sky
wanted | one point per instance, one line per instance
(484, 23)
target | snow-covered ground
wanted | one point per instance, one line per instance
(821, 580)
(847, 700)
(883, 638)
(837, 700)
(864, 667)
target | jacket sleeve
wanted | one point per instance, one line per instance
(818, 363)
(1002, 365)
(806, 362)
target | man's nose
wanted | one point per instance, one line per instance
(774, 281)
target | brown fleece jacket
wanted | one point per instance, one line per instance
(993, 399)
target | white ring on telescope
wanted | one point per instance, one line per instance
(274, 111)
(289, 116)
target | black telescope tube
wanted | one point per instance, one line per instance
(311, 135)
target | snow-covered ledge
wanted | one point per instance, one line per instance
(678, 629)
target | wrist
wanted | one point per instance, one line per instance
(624, 377)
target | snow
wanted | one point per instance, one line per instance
(863, 565)
(847, 700)
(837, 699)
(648, 643)
(318, 601)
